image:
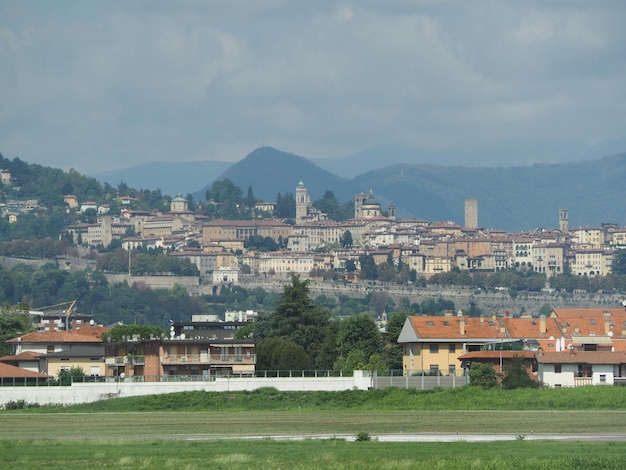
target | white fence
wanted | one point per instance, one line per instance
(90, 392)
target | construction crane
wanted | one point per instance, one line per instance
(68, 311)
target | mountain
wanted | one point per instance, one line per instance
(270, 171)
(522, 197)
(170, 177)
(517, 152)
(515, 198)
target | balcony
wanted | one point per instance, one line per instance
(125, 360)
(205, 358)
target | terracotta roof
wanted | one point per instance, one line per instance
(530, 328)
(582, 357)
(590, 321)
(8, 371)
(496, 355)
(25, 356)
(58, 337)
(430, 327)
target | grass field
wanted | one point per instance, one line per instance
(205, 430)
(307, 454)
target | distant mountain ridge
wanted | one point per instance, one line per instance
(170, 177)
(270, 171)
(511, 199)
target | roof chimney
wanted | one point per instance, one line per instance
(607, 321)
(482, 320)
(462, 326)
(543, 328)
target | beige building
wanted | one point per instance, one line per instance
(588, 237)
(548, 258)
(219, 230)
(591, 262)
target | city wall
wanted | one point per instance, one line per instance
(488, 302)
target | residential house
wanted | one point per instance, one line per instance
(193, 351)
(576, 368)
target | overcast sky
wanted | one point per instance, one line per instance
(102, 85)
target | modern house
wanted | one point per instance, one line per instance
(576, 368)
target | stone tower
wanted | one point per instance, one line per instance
(179, 204)
(471, 213)
(302, 202)
(563, 220)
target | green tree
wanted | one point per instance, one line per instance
(392, 350)
(619, 261)
(359, 332)
(281, 354)
(73, 374)
(298, 319)
(516, 375)
(142, 331)
(369, 270)
(346, 239)
(12, 322)
(483, 375)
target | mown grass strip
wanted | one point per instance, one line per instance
(308, 454)
(264, 423)
(389, 399)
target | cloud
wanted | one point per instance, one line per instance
(97, 86)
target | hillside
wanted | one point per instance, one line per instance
(270, 171)
(509, 198)
(516, 198)
(170, 177)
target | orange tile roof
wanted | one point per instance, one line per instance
(590, 321)
(526, 328)
(8, 371)
(497, 355)
(25, 356)
(56, 337)
(582, 357)
(438, 327)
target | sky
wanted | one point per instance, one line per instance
(103, 85)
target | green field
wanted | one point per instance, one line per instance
(232, 430)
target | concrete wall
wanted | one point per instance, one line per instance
(90, 392)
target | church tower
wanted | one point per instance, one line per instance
(302, 202)
(563, 220)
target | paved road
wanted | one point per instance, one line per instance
(429, 437)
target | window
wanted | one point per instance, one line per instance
(557, 368)
(434, 369)
(452, 348)
(602, 378)
(434, 348)
(452, 369)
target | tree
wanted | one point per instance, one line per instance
(346, 239)
(74, 374)
(142, 331)
(516, 375)
(350, 266)
(483, 375)
(619, 261)
(359, 332)
(298, 319)
(12, 322)
(281, 354)
(393, 350)
(369, 270)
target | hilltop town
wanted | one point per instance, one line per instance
(314, 245)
